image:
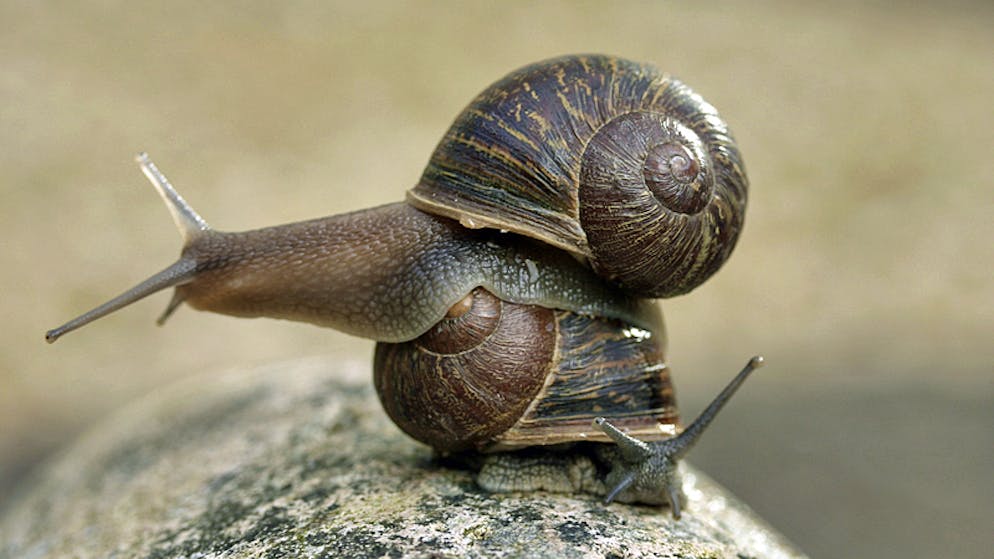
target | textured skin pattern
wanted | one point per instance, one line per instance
(389, 274)
(518, 156)
(591, 469)
(555, 472)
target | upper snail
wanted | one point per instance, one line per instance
(602, 157)
(621, 166)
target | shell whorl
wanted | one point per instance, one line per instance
(606, 158)
(470, 377)
(494, 375)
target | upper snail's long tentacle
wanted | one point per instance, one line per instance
(182, 271)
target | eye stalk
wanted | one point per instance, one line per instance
(645, 468)
(191, 227)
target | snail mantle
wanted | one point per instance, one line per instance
(298, 460)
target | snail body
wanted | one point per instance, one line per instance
(388, 273)
(510, 296)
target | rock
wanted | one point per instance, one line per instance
(298, 460)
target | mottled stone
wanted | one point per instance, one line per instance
(298, 460)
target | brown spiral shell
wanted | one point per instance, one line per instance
(606, 158)
(494, 375)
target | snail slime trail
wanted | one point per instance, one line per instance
(527, 355)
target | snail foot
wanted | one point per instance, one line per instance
(555, 472)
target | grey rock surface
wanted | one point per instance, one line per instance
(298, 460)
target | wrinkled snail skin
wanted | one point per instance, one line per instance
(510, 295)
(389, 274)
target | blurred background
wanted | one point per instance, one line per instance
(863, 275)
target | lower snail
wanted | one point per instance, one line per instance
(511, 295)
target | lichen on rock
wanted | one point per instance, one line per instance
(298, 460)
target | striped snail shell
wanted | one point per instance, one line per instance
(494, 375)
(611, 160)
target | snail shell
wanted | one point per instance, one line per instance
(623, 166)
(494, 375)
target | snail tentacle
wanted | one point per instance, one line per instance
(620, 486)
(183, 270)
(686, 440)
(188, 221)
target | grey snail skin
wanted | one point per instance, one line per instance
(512, 295)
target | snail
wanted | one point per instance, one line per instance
(511, 295)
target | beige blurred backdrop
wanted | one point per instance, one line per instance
(864, 273)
